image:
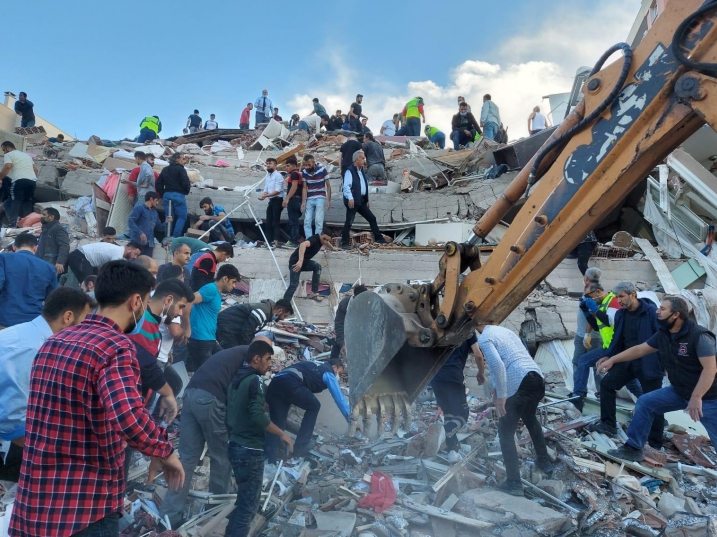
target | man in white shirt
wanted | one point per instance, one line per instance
(537, 121)
(87, 259)
(211, 124)
(355, 191)
(312, 124)
(519, 388)
(274, 192)
(20, 168)
(390, 126)
(18, 346)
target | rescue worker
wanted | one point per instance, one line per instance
(150, 127)
(413, 112)
(436, 136)
(296, 385)
(238, 324)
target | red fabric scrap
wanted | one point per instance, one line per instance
(382, 495)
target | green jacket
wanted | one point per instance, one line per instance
(246, 419)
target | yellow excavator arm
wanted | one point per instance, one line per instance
(633, 114)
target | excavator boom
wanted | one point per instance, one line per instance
(633, 114)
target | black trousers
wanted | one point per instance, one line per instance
(618, 376)
(219, 233)
(294, 210)
(364, 211)
(451, 397)
(522, 405)
(80, 266)
(585, 250)
(10, 469)
(108, 526)
(272, 229)
(199, 351)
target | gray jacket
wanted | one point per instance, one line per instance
(54, 245)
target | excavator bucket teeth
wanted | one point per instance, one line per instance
(380, 361)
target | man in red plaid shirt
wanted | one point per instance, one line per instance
(84, 404)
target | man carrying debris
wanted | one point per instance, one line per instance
(435, 136)
(274, 192)
(22, 170)
(144, 223)
(413, 112)
(205, 309)
(519, 387)
(54, 244)
(687, 352)
(635, 323)
(88, 258)
(263, 109)
(203, 421)
(301, 261)
(463, 127)
(173, 185)
(18, 346)
(340, 320)
(375, 159)
(355, 114)
(180, 257)
(204, 267)
(449, 387)
(238, 324)
(294, 200)
(149, 128)
(489, 117)
(84, 405)
(245, 117)
(25, 282)
(316, 195)
(355, 190)
(296, 385)
(194, 123)
(223, 231)
(247, 425)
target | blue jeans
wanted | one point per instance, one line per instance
(586, 362)
(658, 402)
(490, 129)
(179, 211)
(315, 211)
(303, 126)
(146, 135)
(459, 138)
(107, 526)
(439, 139)
(248, 466)
(260, 118)
(28, 123)
(293, 208)
(411, 128)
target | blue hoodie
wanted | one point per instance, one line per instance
(647, 327)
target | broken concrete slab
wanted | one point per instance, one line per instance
(526, 511)
(337, 521)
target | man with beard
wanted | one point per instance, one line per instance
(54, 245)
(224, 231)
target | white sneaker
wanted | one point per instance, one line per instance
(454, 457)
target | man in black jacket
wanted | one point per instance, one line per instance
(173, 185)
(239, 324)
(464, 127)
(687, 351)
(341, 318)
(26, 110)
(355, 190)
(54, 246)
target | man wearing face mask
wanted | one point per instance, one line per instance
(92, 367)
(687, 352)
(238, 324)
(464, 127)
(635, 323)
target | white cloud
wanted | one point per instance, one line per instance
(536, 61)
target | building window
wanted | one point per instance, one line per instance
(653, 12)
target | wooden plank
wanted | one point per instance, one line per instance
(282, 158)
(659, 473)
(455, 469)
(663, 273)
(445, 515)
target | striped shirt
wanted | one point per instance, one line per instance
(315, 182)
(507, 358)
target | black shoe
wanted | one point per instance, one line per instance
(381, 241)
(347, 247)
(627, 453)
(604, 428)
(578, 403)
(514, 488)
(545, 466)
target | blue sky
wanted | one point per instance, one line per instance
(100, 67)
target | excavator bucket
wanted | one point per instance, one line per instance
(385, 373)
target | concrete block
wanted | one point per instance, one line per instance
(553, 487)
(442, 232)
(545, 520)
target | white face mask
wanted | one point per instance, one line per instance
(137, 322)
(163, 314)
